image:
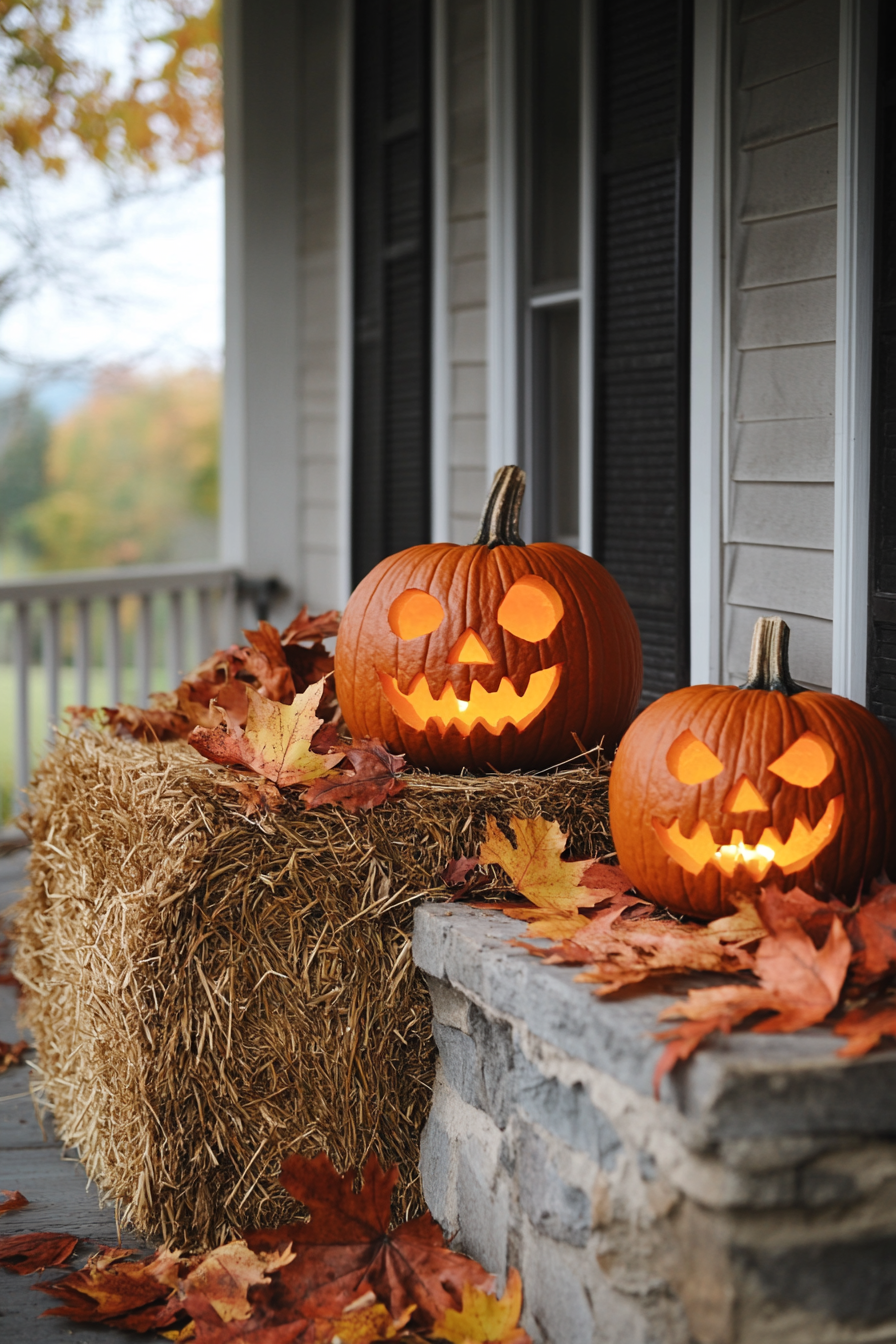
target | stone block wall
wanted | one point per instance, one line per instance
(755, 1203)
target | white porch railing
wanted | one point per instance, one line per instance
(50, 621)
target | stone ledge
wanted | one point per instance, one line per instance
(755, 1203)
(743, 1086)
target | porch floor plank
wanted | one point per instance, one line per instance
(55, 1185)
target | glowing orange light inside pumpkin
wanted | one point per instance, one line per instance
(532, 609)
(807, 762)
(744, 797)
(493, 709)
(415, 613)
(470, 649)
(691, 761)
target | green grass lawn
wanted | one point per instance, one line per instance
(37, 714)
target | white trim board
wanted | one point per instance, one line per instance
(852, 398)
(707, 343)
(440, 482)
(502, 443)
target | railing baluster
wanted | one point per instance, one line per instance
(144, 649)
(113, 648)
(205, 624)
(82, 650)
(175, 638)
(22, 660)
(228, 615)
(51, 665)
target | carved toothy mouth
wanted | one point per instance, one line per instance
(493, 709)
(805, 843)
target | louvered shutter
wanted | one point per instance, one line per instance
(642, 337)
(390, 433)
(882, 622)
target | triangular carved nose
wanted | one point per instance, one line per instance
(744, 797)
(470, 649)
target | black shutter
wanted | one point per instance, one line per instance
(882, 615)
(390, 438)
(642, 339)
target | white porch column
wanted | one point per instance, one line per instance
(260, 459)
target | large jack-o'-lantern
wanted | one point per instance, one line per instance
(494, 655)
(716, 790)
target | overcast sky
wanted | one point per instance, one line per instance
(140, 284)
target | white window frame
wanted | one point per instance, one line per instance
(855, 299)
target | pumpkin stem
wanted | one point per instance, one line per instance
(500, 521)
(769, 668)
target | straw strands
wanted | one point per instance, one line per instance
(208, 993)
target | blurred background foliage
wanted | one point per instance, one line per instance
(130, 476)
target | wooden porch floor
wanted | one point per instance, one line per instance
(54, 1183)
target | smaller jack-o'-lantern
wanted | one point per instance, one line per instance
(495, 654)
(718, 789)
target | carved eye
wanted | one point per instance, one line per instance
(807, 762)
(415, 613)
(691, 761)
(531, 609)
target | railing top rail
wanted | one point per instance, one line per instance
(121, 582)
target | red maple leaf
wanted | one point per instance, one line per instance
(347, 1247)
(15, 1200)
(30, 1252)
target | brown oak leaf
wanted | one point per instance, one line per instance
(347, 1248)
(14, 1200)
(265, 660)
(462, 876)
(108, 1255)
(30, 1252)
(309, 629)
(258, 795)
(276, 741)
(372, 779)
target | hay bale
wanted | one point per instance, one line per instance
(208, 993)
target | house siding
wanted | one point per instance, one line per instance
(467, 90)
(779, 532)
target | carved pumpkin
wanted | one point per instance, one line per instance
(493, 654)
(717, 789)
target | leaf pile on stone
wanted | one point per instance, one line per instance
(278, 666)
(344, 1276)
(798, 961)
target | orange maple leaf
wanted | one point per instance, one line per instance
(866, 1026)
(484, 1318)
(29, 1252)
(537, 872)
(799, 984)
(223, 1277)
(276, 741)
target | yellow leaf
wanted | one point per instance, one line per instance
(535, 867)
(276, 741)
(563, 924)
(485, 1319)
(361, 1324)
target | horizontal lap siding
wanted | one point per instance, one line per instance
(466, 23)
(779, 529)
